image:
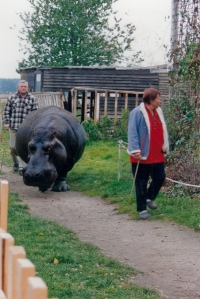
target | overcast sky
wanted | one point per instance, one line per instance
(152, 19)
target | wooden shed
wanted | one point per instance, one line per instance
(92, 79)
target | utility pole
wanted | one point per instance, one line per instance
(174, 23)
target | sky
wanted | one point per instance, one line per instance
(152, 19)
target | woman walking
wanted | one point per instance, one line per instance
(147, 144)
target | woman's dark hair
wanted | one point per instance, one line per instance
(150, 94)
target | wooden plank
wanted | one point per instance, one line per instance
(37, 289)
(136, 100)
(25, 269)
(115, 109)
(14, 253)
(61, 99)
(6, 241)
(95, 106)
(2, 295)
(110, 90)
(85, 105)
(126, 100)
(3, 204)
(105, 103)
(74, 102)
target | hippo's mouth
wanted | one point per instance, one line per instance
(44, 180)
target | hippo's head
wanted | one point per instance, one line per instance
(46, 154)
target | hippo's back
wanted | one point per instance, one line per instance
(38, 115)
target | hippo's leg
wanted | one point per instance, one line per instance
(60, 185)
(43, 189)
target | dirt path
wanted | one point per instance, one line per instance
(168, 254)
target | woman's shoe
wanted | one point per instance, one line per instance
(151, 204)
(144, 215)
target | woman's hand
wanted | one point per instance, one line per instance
(7, 127)
(137, 156)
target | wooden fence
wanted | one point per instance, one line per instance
(46, 99)
(97, 103)
(17, 273)
(103, 102)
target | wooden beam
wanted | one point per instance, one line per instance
(2, 295)
(108, 90)
(61, 99)
(116, 105)
(136, 100)
(85, 105)
(14, 253)
(95, 106)
(105, 103)
(37, 289)
(3, 204)
(25, 269)
(126, 100)
(74, 102)
(6, 241)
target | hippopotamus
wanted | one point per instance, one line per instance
(50, 140)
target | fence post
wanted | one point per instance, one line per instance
(126, 100)
(15, 252)
(3, 204)
(116, 104)
(74, 101)
(6, 240)
(25, 269)
(37, 289)
(96, 104)
(136, 100)
(2, 295)
(106, 103)
(61, 100)
(85, 105)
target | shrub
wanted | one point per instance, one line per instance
(106, 129)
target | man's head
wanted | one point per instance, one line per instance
(22, 87)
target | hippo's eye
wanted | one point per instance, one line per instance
(47, 149)
(31, 147)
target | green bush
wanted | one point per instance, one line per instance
(106, 128)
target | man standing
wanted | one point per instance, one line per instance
(17, 107)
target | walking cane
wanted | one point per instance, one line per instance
(134, 178)
(136, 171)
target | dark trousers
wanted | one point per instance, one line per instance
(144, 191)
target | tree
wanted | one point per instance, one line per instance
(75, 32)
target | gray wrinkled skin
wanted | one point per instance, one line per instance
(50, 141)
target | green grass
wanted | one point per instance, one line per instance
(73, 269)
(70, 268)
(5, 158)
(97, 174)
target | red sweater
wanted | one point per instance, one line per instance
(156, 141)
